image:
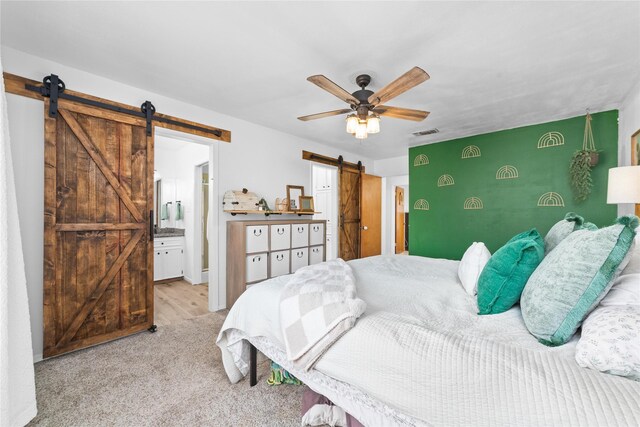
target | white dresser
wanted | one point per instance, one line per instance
(258, 250)
(168, 257)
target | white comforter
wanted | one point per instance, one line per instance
(420, 348)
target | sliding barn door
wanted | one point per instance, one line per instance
(98, 256)
(349, 215)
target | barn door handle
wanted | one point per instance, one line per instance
(151, 225)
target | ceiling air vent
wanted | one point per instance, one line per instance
(426, 132)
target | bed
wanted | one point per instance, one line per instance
(420, 355)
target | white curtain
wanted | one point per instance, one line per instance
(17, 382)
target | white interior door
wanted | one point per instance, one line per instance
(325, 195)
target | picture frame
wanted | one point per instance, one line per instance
(306, 204)
(635, 148)
(294, 192)
(635, 157)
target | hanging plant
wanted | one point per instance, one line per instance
(582, 162)
(580, 171)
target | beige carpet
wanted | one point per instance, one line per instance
(171, 378)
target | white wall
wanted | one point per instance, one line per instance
(259, 158)
(394, 172)
(394, 166)
(628, 124)
(179, 165)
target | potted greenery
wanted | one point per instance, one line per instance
(582, 162)
(580, 171)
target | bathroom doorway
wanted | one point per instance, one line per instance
(185, 243)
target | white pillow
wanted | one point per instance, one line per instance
(626, 288)
(471, 265)
(610, 341)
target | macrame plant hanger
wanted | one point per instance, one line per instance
(588, 144)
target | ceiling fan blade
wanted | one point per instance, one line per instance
(401, 113)
(325, 114)
(408, 80)
(326, 84)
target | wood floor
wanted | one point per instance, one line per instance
(178, 301)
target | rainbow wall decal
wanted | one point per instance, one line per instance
(421, 160)
(421, 205)
(473, 203)
(551, 139)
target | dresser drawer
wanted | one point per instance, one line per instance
(280, 237)
(299, 235)
(299, 258)
(316, 255)
(280, 263)
(256, 267)
(316, 234)
(257, 239)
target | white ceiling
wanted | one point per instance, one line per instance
(493, 65)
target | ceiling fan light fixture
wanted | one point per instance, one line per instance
(352, 123)
(367, 106)
(361, 131)
(373, 124)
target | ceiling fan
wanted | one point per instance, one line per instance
(367, 106)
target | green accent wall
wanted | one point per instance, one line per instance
(456, 201)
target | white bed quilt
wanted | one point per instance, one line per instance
(421, 349)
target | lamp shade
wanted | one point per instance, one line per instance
(373, 124)
(361, 130)
(352, 123)
(624, 185)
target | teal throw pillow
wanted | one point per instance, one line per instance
(529, 234)
(505, 275)
(573, 278)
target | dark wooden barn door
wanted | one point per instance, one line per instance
(98, 254)
(349, 214)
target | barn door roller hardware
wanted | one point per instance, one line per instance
(338, 162)
(54, 88)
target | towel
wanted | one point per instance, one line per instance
(179, 211)
(17, 380)
(317, 306)
(164, 212)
